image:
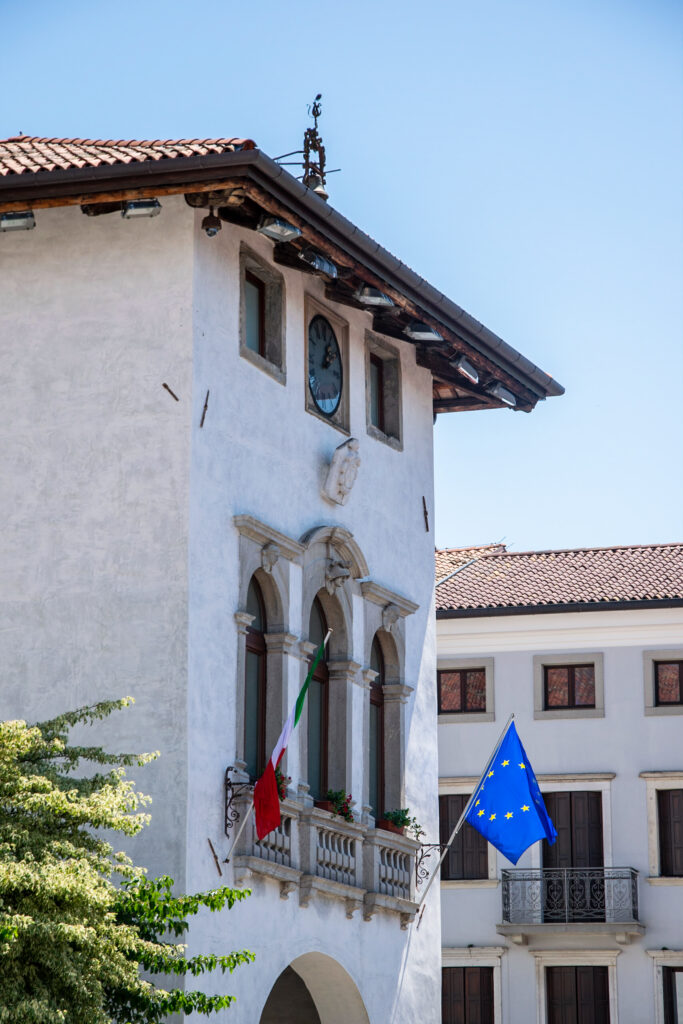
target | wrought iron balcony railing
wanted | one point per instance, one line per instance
(554, 895)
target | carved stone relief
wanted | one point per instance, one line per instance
(270, 553)
(342, 472)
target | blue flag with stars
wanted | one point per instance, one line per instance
(507, 807)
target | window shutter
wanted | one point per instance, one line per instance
(677, 831)
(453, 995)
(670, 806)
(559, 855)
(561, 995)
(586, 829)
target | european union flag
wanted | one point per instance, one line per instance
(507, 806)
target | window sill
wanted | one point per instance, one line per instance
(470, 883)
(261, 363)
(664, 880)
(664, 709)
(379, 435)
(569, 713)
(461, 717)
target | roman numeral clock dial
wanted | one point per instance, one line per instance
(325, 371)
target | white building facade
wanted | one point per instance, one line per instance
(215, 446)
(585, 648)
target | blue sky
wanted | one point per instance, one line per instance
(525, 157)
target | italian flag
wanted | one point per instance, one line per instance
(266, 799)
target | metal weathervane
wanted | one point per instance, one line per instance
(314, 172)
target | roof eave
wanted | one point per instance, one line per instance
(179, 174)
(546, 609)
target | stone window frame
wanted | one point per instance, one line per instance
(649, 659)
(464, 785)
(662, 958)
(266, 554)
(655, 781)
(543, 661)
(274, 361)
(392, 435)
(479, 956)
(575, 958)
(340, 420)
(469, 717)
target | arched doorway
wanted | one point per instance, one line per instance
(314, 989)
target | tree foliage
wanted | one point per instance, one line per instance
(78, 922)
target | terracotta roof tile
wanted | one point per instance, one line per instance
(538, 579)
(24, 154)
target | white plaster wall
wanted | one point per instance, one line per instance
(94, 314)
(625, 742)
(261, 453)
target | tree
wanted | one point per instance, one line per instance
(73, 943)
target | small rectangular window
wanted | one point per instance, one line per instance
(668, 682)
(569, 686)
(462, 690)
(377, 392)
(670, 812)
(255, 313)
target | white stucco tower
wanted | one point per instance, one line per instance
(217, 441)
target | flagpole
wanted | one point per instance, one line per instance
(247, 812)
(462, 816)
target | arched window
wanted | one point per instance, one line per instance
(318, 708)
(255, 684)
(376, 738)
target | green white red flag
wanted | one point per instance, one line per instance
(266, 798)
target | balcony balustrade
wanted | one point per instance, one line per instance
(320, 854)
(593, 899)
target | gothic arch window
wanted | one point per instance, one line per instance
(255, 683)
(318, 705)
(376, 732)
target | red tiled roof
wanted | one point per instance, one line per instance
(24, 154)
(449, 559)
(584, 576)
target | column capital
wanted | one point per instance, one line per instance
(280, 642)
(397, 692)
(243, 620)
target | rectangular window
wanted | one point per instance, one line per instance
(467, 995)
(377, 392)
(468, 855)
(383, 392)
(672, 980)
(255, 313)
(462, 690)
(569, 686)
(670, 813)
(577, 995)
(668, 683)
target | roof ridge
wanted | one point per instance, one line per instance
(574, 551)
(117, 142)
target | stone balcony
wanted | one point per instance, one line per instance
(322, 856)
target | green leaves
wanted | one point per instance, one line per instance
(72, 943)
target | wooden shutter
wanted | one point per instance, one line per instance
(670, 805)
(561, 995)
(559, 854)
(592, 995)
(467, 995)
(577, 816)
(453, 995)
(468, 855)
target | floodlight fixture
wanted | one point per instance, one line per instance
(17, 220)
(369, 296)
(318, 262)
(419, 331)
(278, 229)
(211, 223)
(465, 367)
(141, 208)
(502, 394)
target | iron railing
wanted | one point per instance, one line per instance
(546, 895)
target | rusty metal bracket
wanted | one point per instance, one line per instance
(232, 791)
(424, 853)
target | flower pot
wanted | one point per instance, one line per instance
(388, 826)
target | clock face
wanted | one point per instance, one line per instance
(325, 372)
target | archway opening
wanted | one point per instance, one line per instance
(314, 989)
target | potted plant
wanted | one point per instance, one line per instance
(337, 802)
(400, 820)
(282, 781)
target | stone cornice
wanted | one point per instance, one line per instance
(262, 534)
(397, 691)
(380, 595)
